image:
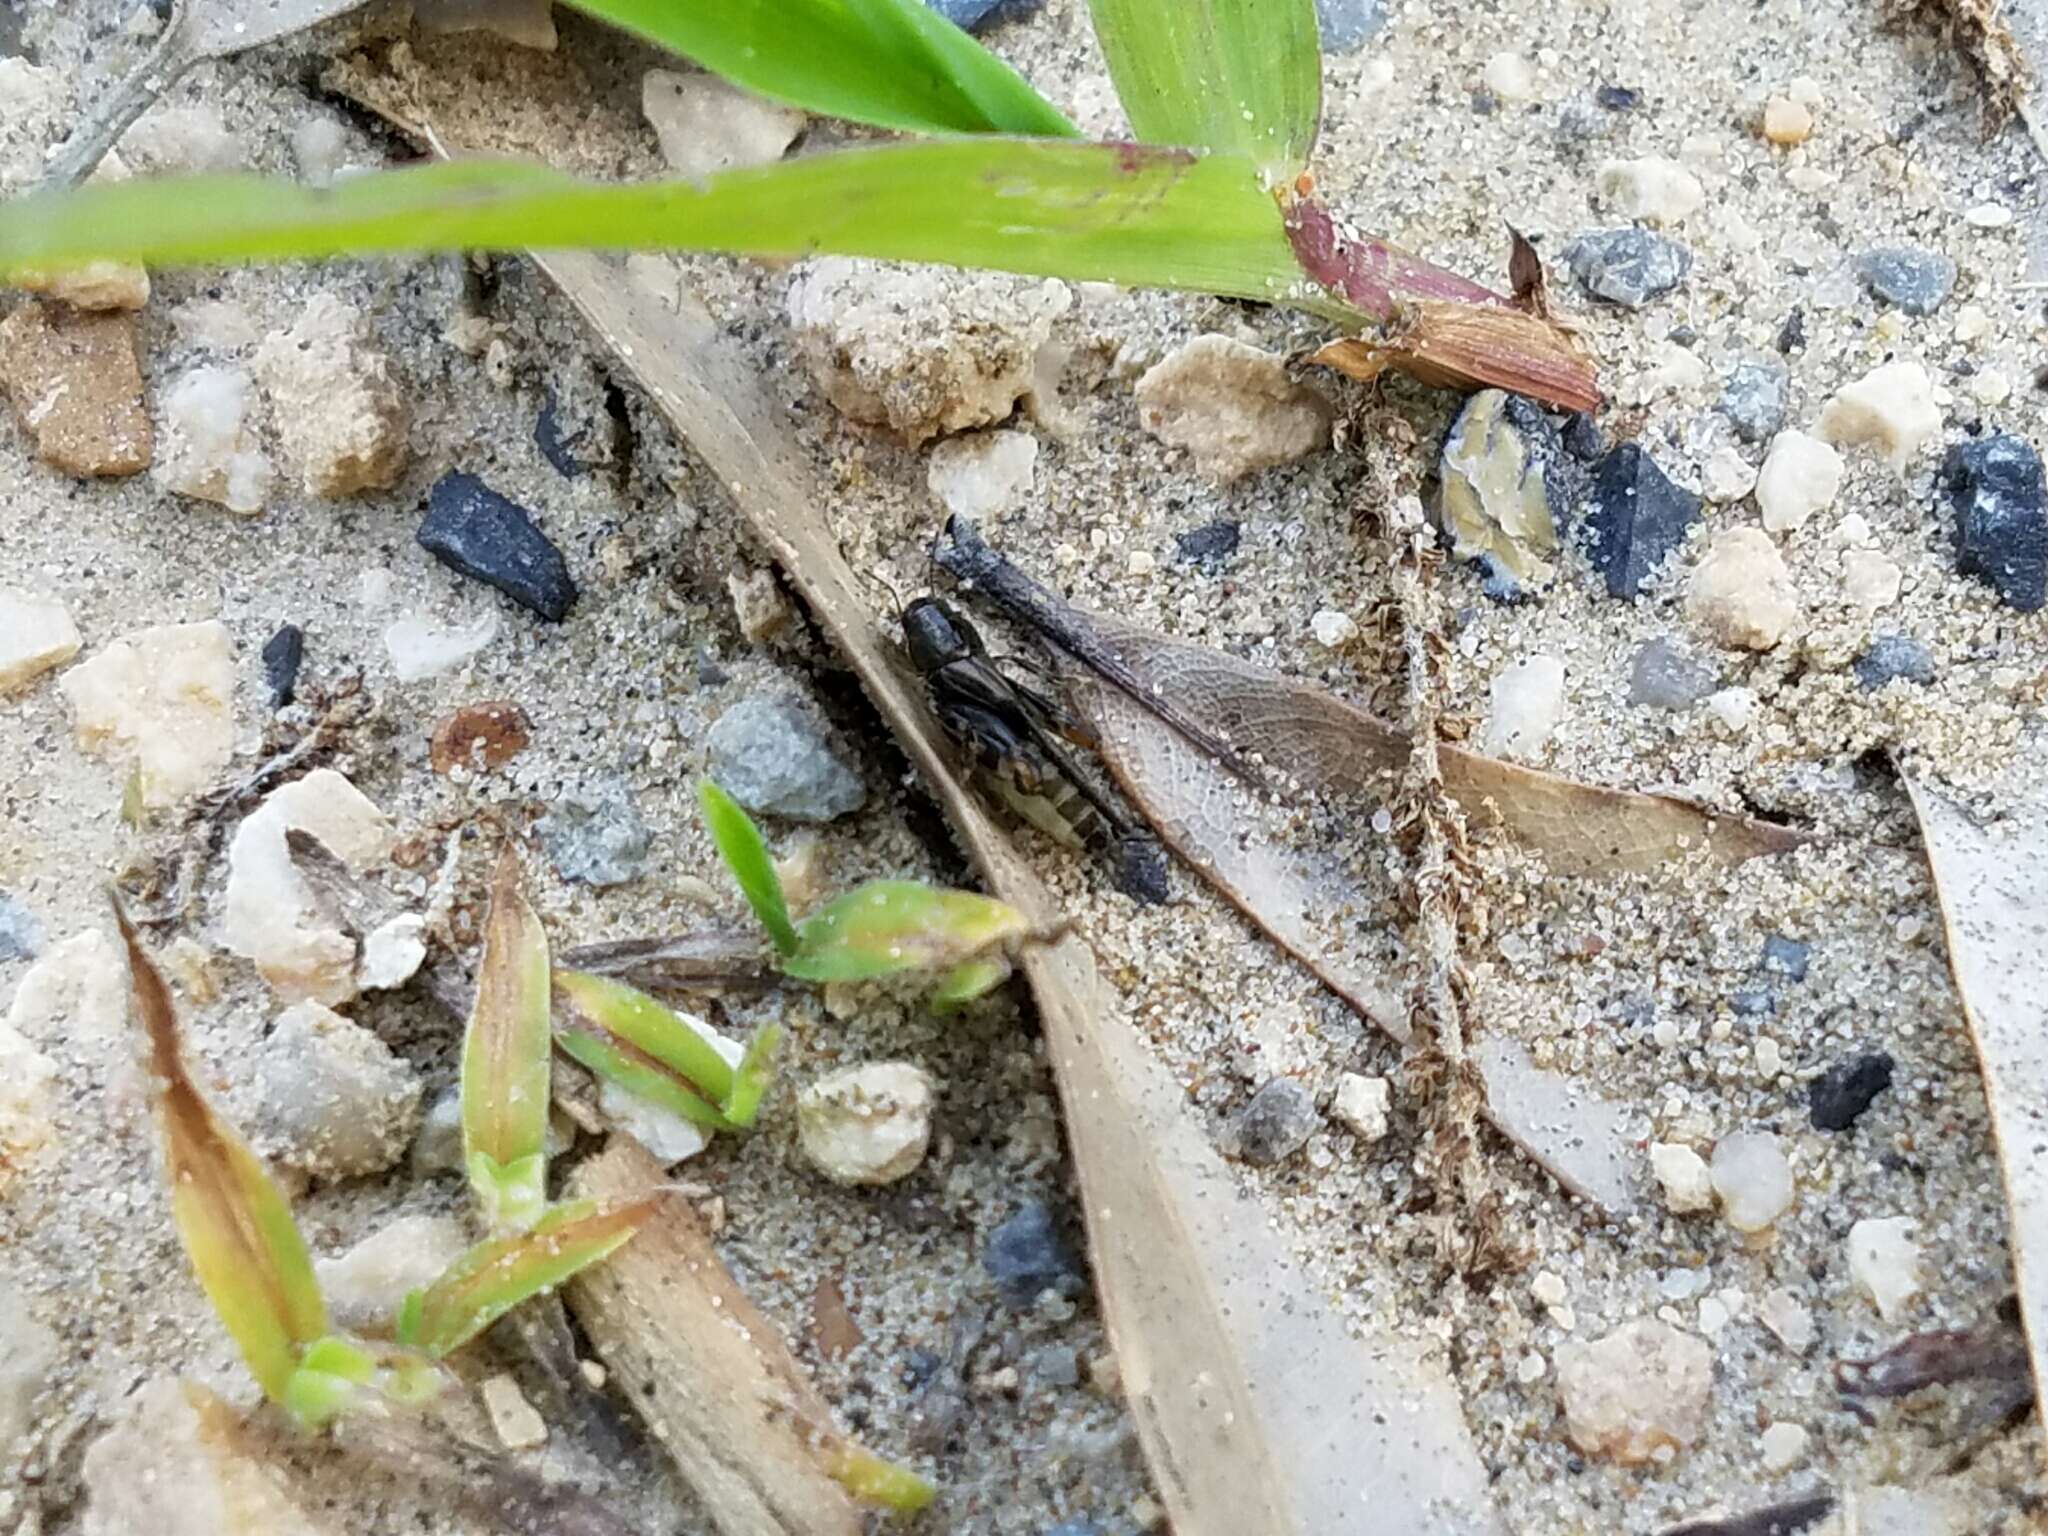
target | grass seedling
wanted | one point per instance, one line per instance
(1224, 95)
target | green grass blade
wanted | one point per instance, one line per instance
(886, 927)
(740, 844)
(895, 63)
(641, 1077)
(1238, 75)
(1114, 213)
(751, 1077)
(506, 1056)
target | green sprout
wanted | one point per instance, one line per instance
(1225, 96)
(745, 851)
(634, 1040)
(505, 1060)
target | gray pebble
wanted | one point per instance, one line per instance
(1907, 277)
(771, 753)
(1347, 23)
(1665, 675)
(21, 931)
(1627, 266)
(331, 1098)
(1786, 957)
(1891, 657)
(1755, 397)
(1752, 1004)
(1025, 1256)
(1995, 488)
(1273, 1124)
(1057, 1365)
(595, 835)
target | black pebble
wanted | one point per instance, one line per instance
(1026, 1257)
(1839, 1095)
(1792, 334)
(472, 529)
(1890, 657)
(973, 15)
(1994, 486)
(1582, 437)
(282, 653)
(557, 449)
(1140, 870)
(1618, 98)
(1637, 518)
(1209, 545)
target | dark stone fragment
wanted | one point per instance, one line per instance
(1618, 98)
(1786, 957)
(920, 1365)
(1484, 104)
(282, 653)
(1754, 399)
(1994, 486)
(1273, 1124)
(1026, 1257)
(558, 445)
(1627, 266)
(1583, 438)
(1209, 545)
(1836, 1098)
(1636, 518)
(472, 529)
(973, 15)
(1140, 870)
(1792, 334)
(1907, 278)
(1752, 1004)
(1891, 657)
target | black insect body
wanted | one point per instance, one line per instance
(1009, 731)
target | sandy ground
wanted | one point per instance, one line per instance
(625, 691)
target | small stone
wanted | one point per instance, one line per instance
(178, 1461)
(1752, 1003)
(1987, 216)
(1801, 476)
(1838, 1097)
(1637, 1394)
(1755, 398)
(1504, 490)
(1753, 1179)
(977, 15)
(320, 148)
(473, 530)
(76, 388)
(393, 952)
(1209, 545)
(420, 648)
(1907, 278)
(21, 932)
(594, 835)
(1733, 708)
(758, 604)
(528, 23)
(1786, 957)
(274, 918)
(1347, 23)
(1527, 705)
(1891, 408)
(282, 654)
(1548, 1289)
(921, 350)
(1870, 581)
(1629, 267)
(706, 126)
(1665, 675)
(1787, 122)
(1361, 1105)
(869, 1124)
(1728, 477)
(161, 699)
(340, 417)
(1233, 406)
(29, 1353)
(365, 1285)
(1618, 98)
(1741, 593)
(1884, 1261)
(1682, 1175)
(1787, 1318)
(209, 449)
(1510, 76)
(1889, 658)
(1994, 487)
(1636, 519)
(516, 1422)
(1273, 1124)
(1333, 630)
(1026, 1257)
(982, 474)
(771, 753)
(182, 138)
(480, 737)
(1653, 189)
(331, 1098)
(36, 634)
(27, 1077)
(1783, 1446)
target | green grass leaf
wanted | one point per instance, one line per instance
(745, 851)
(497, 1274)
(638, 1042)
(1138, 216)
(874, 1481)
(886, 927)
(895, 63)
(967, 981)
(506, 1057)
(1238, 75)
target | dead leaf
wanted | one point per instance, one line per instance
(1992, 884)
(833, 1329)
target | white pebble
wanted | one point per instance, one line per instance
(365, 1285)
(1987, 216)
(1891, 408)
(1653, 189)
(1713, 1316)
(868, 1124)
(208, 448)
(1884, 1260)
(706, 125)
(1549, 1289)
(1852, 531)
(1754, 1180)
(981, 474)
(1787, 122)
(1788, 1318)
(1728, 477)
(1870, 581)
(1332, 629)
(1972, 324)
(1733, 709)
(161, 699)
(1530, 1369)
(1527, 707)
(1510, 76)
(1741, 592)
(1639, 1393)
(420, 648)
(1682, 1174)
(335, 400)
(392, 953)
(1234, 407)
(1361, 1105)
(517, 1422)
(36, 634)
(1801, 476)
(1783, 1446)
(1770, 1056)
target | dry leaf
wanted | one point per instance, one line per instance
(1992, 883)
